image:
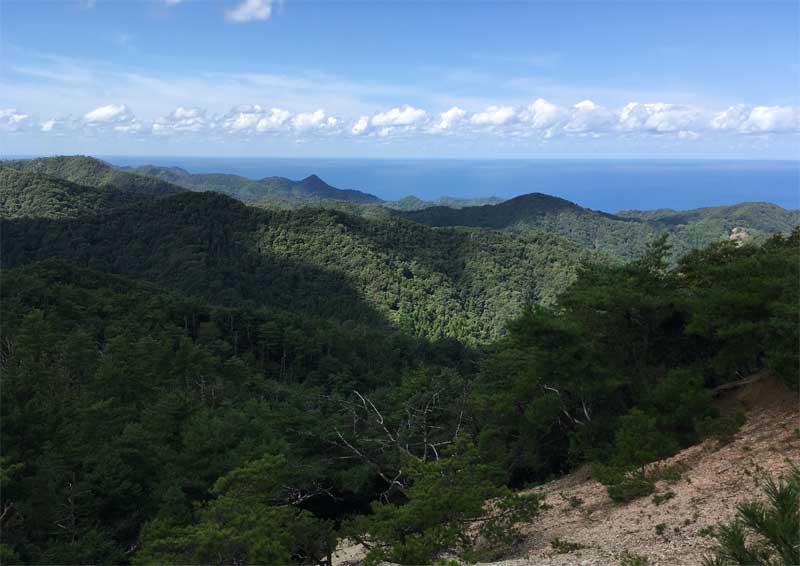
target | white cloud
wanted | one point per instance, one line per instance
(274, 120)
(306, 121)
(450, 118)
(589, 118)
(494, 116)
(109, 113)
(11, 120)
(250, 118)
(730, 119)
(172, 2)
(659, 117)
(540, 119)
(757, 120)
(61, 126)
(114, 118)
(360, 126)
(181, 120)
(250, 10)
(542, 114)
(772, 119)
(405, 116)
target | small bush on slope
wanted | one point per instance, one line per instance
(763, 533)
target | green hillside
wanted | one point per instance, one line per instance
(34, 195)
(458, 283)
(93, 173)
(623, 235)
(242, 188)
(596, 230)
(412, 203)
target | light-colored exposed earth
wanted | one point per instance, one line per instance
(715, 479)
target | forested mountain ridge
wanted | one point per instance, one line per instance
(414, 203)
(457, 283)
(762, 217)
(312, 189)
(242, 188)
(536, 211)
(35, 195)
(93, 173)
(623, 235)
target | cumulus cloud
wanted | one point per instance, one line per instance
(405, 116)
(450, 118)
(772, 119)
(181, 120)
(360, 126)
(253, 118)
(542, 114)
(316, 119)
(758, 120)
(274, 120)
(61, 126)
(493, 116)
(112, 118)
(108, 114)
(730, 119)
(540, 119)
(250, 10)
(589, 118)
(11, 120)
(659, 117)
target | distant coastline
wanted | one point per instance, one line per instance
(602, 184)
(609, 185)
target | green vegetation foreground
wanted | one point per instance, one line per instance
(142, 426)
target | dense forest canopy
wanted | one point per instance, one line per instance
(459, 283)
(242, 188)
(624, 234)
(93, 173)
(190, 380)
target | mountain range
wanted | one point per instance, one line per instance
(432, 282)
(72, 186)
(242, 188)
(623, 235)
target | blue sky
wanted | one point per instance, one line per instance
(424, 79)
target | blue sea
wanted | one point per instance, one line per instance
(608, 185)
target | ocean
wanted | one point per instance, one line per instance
(601, 184)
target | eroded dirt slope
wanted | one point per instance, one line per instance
(714, 480)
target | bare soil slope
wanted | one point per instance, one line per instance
(715, 479)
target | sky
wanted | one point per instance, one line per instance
(466, 79)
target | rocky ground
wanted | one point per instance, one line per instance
(714, 478)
